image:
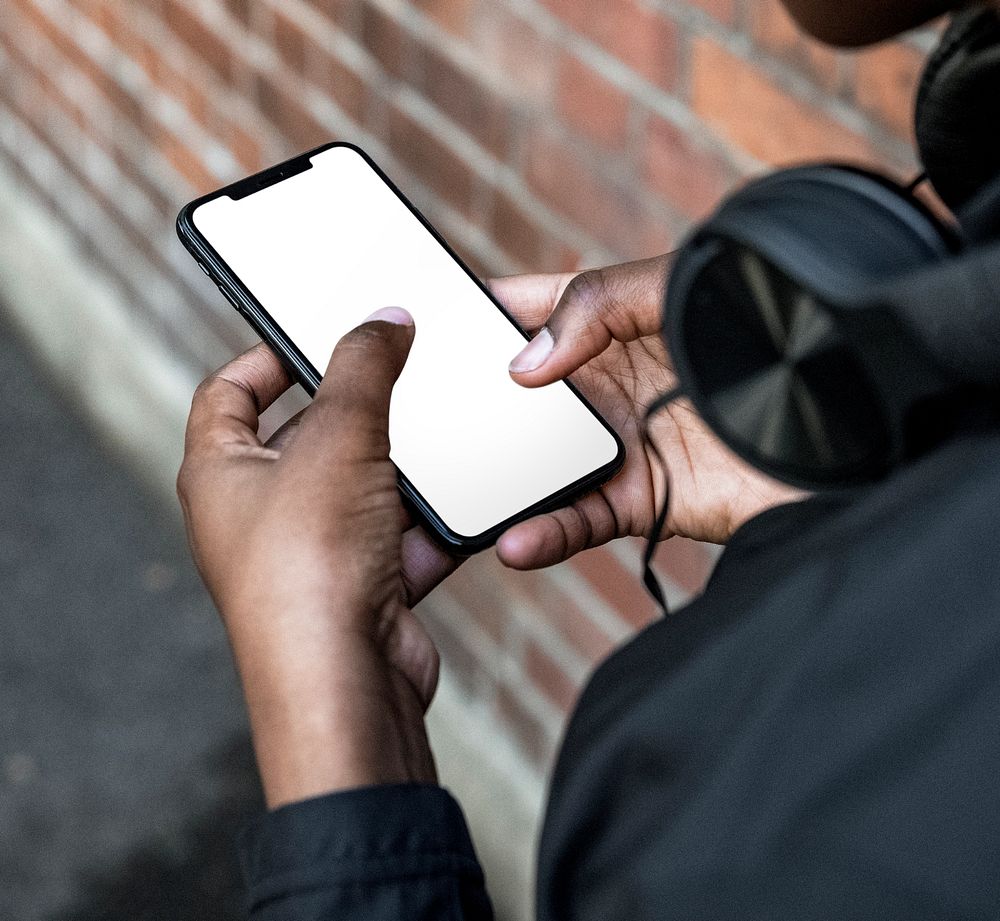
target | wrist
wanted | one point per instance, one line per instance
(333, 720)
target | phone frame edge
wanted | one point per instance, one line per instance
(302, 371)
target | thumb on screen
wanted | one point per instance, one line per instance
(351, 405)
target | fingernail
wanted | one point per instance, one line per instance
(392, 315)
(533, 355)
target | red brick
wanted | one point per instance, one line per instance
(299, 127)
(128, 106)
(546, 675)
(43, 87)
(116, 22)
(125, 101)
(453, 15)
(46, 97)
(290, 41)
(886, 80)
(466, 100)
(776, 32)
(188, 165)
(132, 163)
(460, 660)
(57, 37)
(515, 232)
(616, 585)
(642, 39)
(829, 68)
(481, 595)
(65, 141)
(185, 87)
(148, 54)
(509, 47)
(340, 11)
(688, 176)
(206, 44)
(724, 11)
(686, 563)
(479, 266)
(35, 102)
(532, 736)
(340, 83)
(431, 160)
(107, 214)
(244, 146)
(750, 111)
(240, 9)
(606, 210)
(386, 39)
(589, 103)
(91, 8)
(565, 258)
(562, 614)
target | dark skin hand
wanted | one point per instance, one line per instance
(314, 566)
(604, 330)
(312, 560)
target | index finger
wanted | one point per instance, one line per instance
(227, 405)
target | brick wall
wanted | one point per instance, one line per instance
(536, 134)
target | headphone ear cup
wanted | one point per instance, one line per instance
(761, 324)
(958, 107)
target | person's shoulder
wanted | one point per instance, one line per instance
(957, 478)
(894, 552)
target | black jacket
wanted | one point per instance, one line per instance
(818, 736)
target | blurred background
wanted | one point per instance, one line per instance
(537, 135)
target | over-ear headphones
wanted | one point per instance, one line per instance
(825, 323)
(958, 107)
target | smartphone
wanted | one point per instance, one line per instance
(307, 249)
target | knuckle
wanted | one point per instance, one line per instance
(184, 484)
(364, 338)
(362, 360)
(200, 392)
(587, 292)
(352, 414)
(207, 391)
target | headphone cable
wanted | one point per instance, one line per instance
(648, 576)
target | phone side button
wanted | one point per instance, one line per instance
(201, 265)
(230, 298)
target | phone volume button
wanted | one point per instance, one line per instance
(229, 298)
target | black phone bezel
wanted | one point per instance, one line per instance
(301, 369)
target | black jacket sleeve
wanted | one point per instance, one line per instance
(389, 853)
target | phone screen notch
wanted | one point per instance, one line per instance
(269, 177)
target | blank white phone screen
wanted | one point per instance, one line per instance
(325, 248)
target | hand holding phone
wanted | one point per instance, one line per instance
(314, 569)
(307, 249)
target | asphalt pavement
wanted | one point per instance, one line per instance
(125, 766)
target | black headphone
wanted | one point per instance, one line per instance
(825, 323)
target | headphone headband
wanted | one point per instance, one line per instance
(952, 312)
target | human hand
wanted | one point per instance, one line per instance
(603, 328)
(314, 565)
